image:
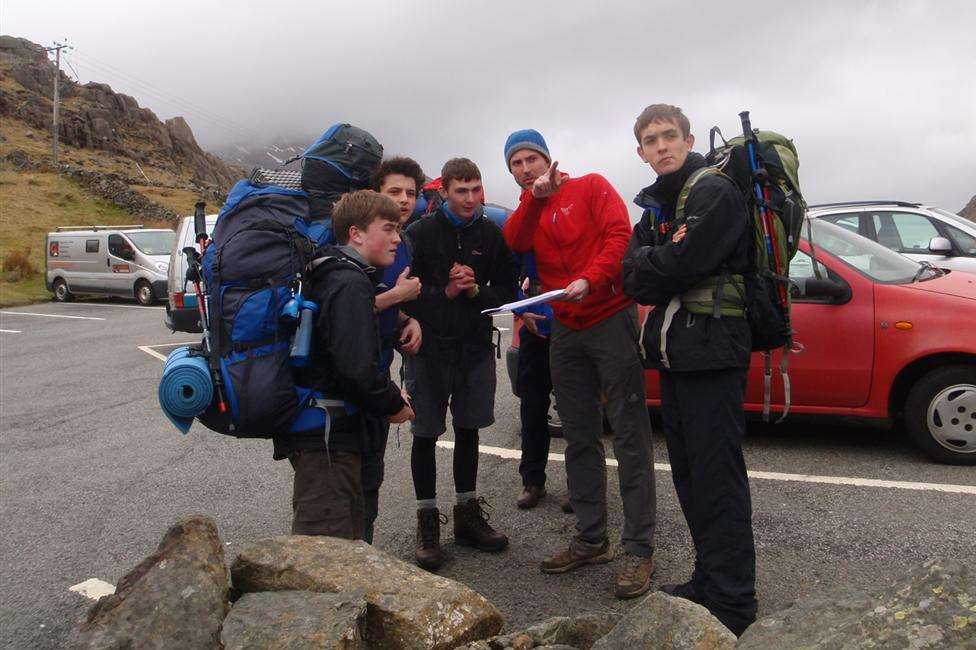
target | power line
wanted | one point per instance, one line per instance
(175, 103)
(160, 92)
(93, 64)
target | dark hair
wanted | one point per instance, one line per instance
(459, 169)
(662, 113)
(360, 209)
(399, 165)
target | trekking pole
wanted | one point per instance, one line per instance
(761, 189)
(203, 299)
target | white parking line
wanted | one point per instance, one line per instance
(515, 454)
(93, 588)
(31, 313)
(148, 349)
(99, 304)
(11, 331)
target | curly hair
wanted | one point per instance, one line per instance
(399, 165)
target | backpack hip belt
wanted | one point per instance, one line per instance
(717, 296)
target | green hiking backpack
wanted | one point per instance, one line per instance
(776, 212)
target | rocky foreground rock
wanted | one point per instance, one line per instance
(661, 621)
(932, 606)
(175, 598)
(299, 592)
(296, 619)
(407, 607)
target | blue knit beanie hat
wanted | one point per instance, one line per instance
(525, 139)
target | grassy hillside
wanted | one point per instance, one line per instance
(32, 204)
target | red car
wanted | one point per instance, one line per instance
(885, 339)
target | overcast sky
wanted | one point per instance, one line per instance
(879, 96)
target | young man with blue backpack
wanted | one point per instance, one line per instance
(269, 278)
(689, 256)
(345, 368)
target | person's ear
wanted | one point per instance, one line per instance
(690, 140)
(355, 235)
(443, 192)
(640, 153)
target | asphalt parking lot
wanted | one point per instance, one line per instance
(92, 474)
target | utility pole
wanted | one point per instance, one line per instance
(57, 94)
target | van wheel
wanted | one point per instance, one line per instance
(61, 293)
(144, 294)
(940, 414)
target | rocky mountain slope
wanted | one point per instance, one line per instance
(95, 118)
(118, 164)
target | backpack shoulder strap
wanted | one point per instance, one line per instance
(319, 261)
(696, 176)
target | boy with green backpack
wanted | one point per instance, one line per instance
(702, 354)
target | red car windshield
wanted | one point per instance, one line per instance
(863, 255)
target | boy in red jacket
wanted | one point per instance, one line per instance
(579, 229)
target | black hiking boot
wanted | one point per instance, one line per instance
(428, 553)
(471, 527)
(685, 590)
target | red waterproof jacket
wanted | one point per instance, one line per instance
(581, 231)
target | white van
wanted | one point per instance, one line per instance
(182, 314)
(126, 261)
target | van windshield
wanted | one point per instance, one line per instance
(153, 243)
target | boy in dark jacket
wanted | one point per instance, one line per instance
(702, 358)
(464, 267)
(344, 367)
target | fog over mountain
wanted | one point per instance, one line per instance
(878, 95)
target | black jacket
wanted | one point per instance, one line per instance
(455, 329)
(655, 269)
(345, 356)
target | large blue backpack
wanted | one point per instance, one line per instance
(261, 247)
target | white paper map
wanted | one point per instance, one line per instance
(549, 296)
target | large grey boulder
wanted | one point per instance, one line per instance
(932, 606)
(662, 621)
(406, 606)
(296, 619)
(175, 598)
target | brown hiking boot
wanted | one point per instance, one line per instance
(428, 553)
(634, 577)
(577, 554)
(530, 497)
(471, 527)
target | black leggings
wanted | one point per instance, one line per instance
(423, 463)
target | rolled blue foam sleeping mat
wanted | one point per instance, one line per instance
(186, 388)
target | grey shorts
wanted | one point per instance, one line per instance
(469, 389)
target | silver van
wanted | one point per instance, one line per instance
(126, 261)
(181, 304)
